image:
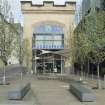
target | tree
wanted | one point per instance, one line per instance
(19, 43)
(89, 39)
(9, 41)
(8, 34)
(25, 53)
(5, 9)
(97, 39)
(81, 44)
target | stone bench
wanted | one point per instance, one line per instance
(82, 93)
(19, 91)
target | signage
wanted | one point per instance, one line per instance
(47, 46)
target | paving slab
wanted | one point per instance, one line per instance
(53, 92)
(49, 92)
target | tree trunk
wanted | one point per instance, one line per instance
(104, 82)
(81, 75)
(4, 76)
(88, 67)
(98, 75)
(92, 74)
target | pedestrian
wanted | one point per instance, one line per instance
(55, 69)
(31, 71)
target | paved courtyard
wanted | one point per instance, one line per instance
(53, 92)
(48, 92)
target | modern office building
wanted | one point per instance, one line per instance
(89, 5)
(104, 4)
(78, 13)
(48, 29)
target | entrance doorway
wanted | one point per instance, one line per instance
(47, 62)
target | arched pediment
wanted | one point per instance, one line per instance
(48, 28)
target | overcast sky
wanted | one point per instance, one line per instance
(16, 7)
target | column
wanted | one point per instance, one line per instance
(53, 63)
(35, 63)
(61, 65)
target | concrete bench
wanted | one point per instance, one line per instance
(19, 91)
(82, 93)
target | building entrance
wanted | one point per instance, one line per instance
(47, 39)
(47, 61)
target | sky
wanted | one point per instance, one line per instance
(16, 7)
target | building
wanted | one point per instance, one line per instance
(48, 30)
(9, 41)
(15, 57)
(104, 4)
(78, 13)
(89, 5)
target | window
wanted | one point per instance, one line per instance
(48, 37)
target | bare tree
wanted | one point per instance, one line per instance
(5, 8)
(9, 39)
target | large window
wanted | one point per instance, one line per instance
(48, 37)
(48, 28)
